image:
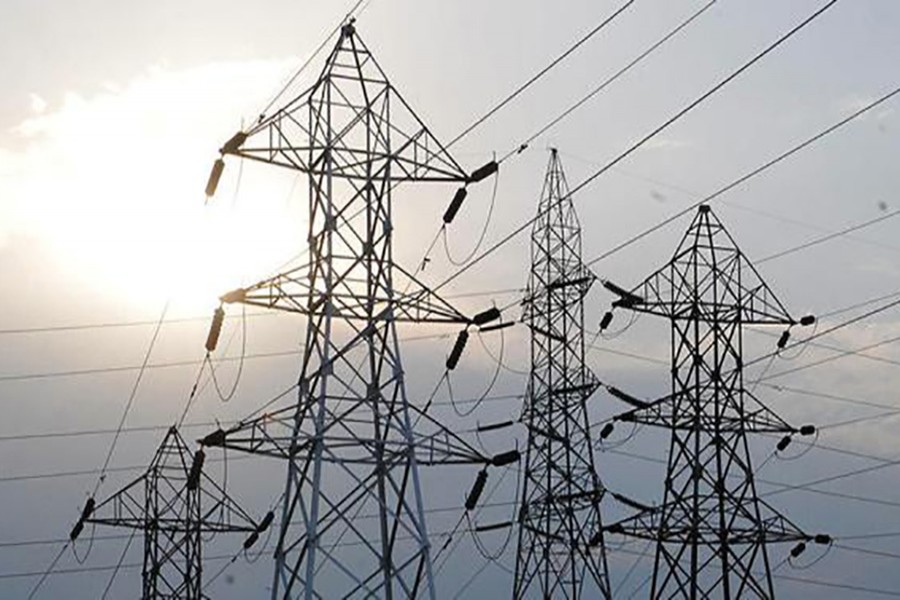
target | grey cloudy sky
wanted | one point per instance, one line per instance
(112, 113)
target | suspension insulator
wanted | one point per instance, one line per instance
(798, 550)
(267, 520)
(807, 430)
(505, 458)
(457, 201)
(88, 509)
(606, 320)
(606, 431)
(493, 426)
(491, 314)
(783, 340)
(477, 489)
(216, 438)
(630, 502)
(627, 398)
(251, 539)
(616, 528)
(496, 326)
(484, 172)
(193, 480)
(457, 350)
(783, 443)
(807, 320)
(822, 538)
(234, 144)
(238, 295)
(215, 328)
(76, 531)
(215, 175)
(493, 526)
(86, 512)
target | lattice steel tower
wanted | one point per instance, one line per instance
(174, 503)
(353, 522)
(712, 530)
(561, 553)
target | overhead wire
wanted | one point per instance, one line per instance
(828, 237)
(608, 81)
(656, 131)
(482, 235)
(749, 175)
(118, 567)
(537, 76)
(293, 78)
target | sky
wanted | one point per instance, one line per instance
(112, 114)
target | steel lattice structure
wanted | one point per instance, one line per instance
(561, 551)
(712, 530)
(349, 439)
(174, 503)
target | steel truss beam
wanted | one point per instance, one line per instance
(175, 504)
(561, 550)
(352, 440)
(712, 530)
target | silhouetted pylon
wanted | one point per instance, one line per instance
(353, 521)
(712, 529)
(174, 503)
(561, 551)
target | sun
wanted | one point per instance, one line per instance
(114, 185)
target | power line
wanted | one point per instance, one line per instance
(829, 330)
(747, 176)
(478, 122)
(828, 359)
(165, 427)
(657, 131)
(830, 236)
(607, 82)
(205, 318)
(840, 586)
(687, 109)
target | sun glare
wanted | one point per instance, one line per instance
(114, 185)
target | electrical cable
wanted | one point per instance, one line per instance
(832, 358)
(237, 378)
(840, 586)
(829, 330)
(131, 398)
(308, 61)
(749, 175)
(46, 573)
(118, 567)
(634, 62)
(661, 128)
(484, 230)
(829, 237)
(512, 96)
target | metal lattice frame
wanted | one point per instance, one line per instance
(353, 521)
(561, 551)
(712, 530)
(173, 516)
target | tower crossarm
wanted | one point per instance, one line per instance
(772, 527)
(746, 414)
(295, 291)
(708, 279)
(273, 435)
(291, 137)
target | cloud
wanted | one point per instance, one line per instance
(37, 104)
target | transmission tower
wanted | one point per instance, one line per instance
(560, 546)
(353, 520)
(712, 530)
(174, 503)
